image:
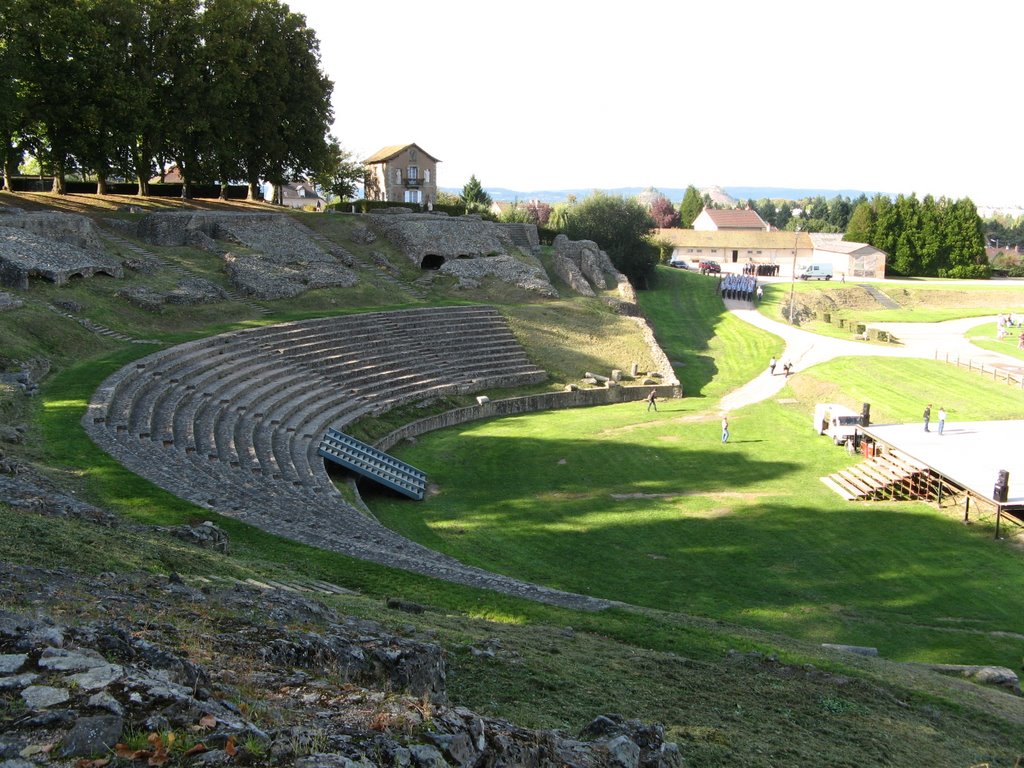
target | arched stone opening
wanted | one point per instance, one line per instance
(431, 261)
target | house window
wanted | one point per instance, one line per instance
(412, 195)
(414, 173)
(426, 175)
(398, 175)
(412, 155)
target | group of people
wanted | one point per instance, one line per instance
(928, 418)
(1004, 323)
(738, 287)
(762, 270)
(787, 368)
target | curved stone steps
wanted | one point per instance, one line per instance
(233, 423)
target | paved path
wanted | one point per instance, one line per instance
(931, 341)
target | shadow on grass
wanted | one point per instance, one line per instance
(679, 305)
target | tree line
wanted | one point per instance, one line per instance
(121, 89)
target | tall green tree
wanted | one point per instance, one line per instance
(474, 197)
(11, 113)
(110, 29)
(861, 228)
(690, 208)
(887, 225)
(342, 174)
(49, 38)
(905, 258)
(965, 239)
(932, 255)
(621, 227)
(839, 212)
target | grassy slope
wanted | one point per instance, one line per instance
(723, 713)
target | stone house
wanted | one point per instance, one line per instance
(734, 249)
(296, 194)
(402, 173)
(717, 220)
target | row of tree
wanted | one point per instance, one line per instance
(926, 238)
(106, 89)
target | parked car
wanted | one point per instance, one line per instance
(815, 272)
(710, 268)
(678, 264)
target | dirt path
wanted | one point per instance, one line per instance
(930, 341)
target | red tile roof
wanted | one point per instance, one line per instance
(736, 218)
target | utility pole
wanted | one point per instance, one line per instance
(792, 286)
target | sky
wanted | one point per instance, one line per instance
(902, 96)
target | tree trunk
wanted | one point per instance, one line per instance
(10, 171)
(253, 195)
(59, 187)
(142, 169)
(101, 184)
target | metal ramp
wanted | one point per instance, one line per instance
(367, 461)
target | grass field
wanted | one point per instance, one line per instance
(652, 509)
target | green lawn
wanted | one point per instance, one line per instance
(987, 337)
(651, 509)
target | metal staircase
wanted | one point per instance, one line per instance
(367, 461)
(891, 476)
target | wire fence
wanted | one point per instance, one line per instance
(1012, 378)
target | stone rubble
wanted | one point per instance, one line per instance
(330, 690)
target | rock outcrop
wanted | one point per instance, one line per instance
(336, 691)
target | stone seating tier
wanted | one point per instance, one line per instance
(232, 423)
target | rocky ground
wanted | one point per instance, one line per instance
(144, 670)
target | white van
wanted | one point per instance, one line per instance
(836, 421)
(815, 272)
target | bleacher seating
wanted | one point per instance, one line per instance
(233, 422)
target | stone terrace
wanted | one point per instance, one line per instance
(232, 422)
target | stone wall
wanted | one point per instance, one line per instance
(421, 235)
(277, 257)
(508, 269)
(52, 246)
(547, 401)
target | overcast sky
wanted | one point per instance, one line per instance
(897, 96)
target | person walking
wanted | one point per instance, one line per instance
(652, 400)
(771, 366)
(942, 419)
(725, 429)
(927, 416)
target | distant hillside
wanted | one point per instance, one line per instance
(675, 194)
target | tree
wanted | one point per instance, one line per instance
(783, 215)
(515, 214)
(559, 217)
(52, 40)
(663, 213)
(861, 228)
(965, 239)
(690, 207)
(11, 115)
(839, 212)
(474, 197)
(621, 228)
(539, 212)
(341, 174)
